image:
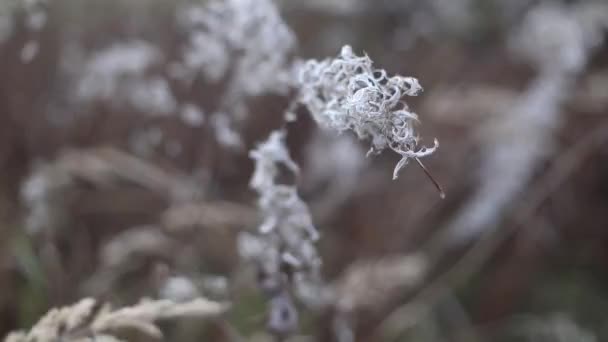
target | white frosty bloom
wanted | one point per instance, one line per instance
(250, 34)
(192, 115)
(225, 134)
(244, 43)
(29, 51)
(552, 37)
(106, 70)
(118, 75)
(285, 214)
(286, 237)
(268, 156)
(347, 93)
(153, 96)
(520, 138)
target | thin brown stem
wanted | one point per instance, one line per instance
(430, 176)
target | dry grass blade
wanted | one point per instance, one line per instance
(85, 320)
(208, 214)
(370, 284)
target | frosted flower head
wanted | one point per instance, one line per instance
(347, 93)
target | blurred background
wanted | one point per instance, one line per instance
(125, 127)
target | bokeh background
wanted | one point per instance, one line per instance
(125, 170)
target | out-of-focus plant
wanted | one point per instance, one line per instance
(557, 40)
(283, 248)
(89, 320)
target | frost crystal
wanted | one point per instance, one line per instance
(347, 93)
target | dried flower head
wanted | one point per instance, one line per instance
(347, 93)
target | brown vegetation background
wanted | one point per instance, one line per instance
(540, 268)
